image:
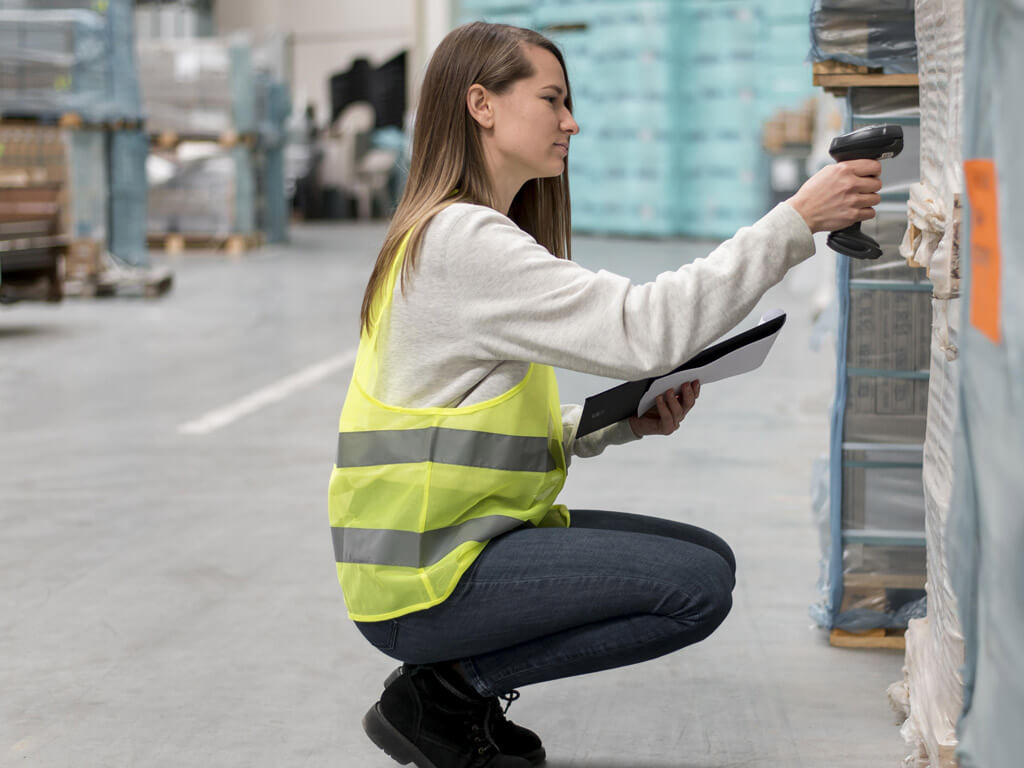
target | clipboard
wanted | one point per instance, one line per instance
(737, 354)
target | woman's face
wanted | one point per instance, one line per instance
(532, 125)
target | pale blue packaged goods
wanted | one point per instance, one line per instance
(243, 88)
(274, 207)
(495, 6)
(87, 179)
(245, 190)
(128, 192)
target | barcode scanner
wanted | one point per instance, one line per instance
(875, 142)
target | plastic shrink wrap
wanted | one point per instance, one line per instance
(201, 87)
(201, 188)
(128, 152)
(69, 56)
(930, 694)
(870, 33)
(985, 538)
(873, 527)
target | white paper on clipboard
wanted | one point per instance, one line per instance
(742, 360)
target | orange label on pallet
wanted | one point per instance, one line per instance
(982, 191)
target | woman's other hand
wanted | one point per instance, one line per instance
(669, 410)
(839, 195)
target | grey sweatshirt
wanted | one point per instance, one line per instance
(486, 300)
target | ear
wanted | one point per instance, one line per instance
(478, 102)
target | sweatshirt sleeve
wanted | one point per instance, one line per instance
(594, 443)
(513, 300)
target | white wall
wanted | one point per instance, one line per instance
(326, 35)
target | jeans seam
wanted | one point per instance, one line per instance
(603, 650)
(478, 679)
(475, 679)
(644, 579)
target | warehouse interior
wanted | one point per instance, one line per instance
(193, 194)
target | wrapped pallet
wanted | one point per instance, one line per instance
(986, 526)
(931, 692)
(69, 56)
(870, 33)
(198, 88)
(201, 188)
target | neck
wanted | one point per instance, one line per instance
(505, 182)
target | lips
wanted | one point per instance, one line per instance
(563, 145)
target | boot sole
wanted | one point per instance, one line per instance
(390, 739)
(402, 751)
(536, 757)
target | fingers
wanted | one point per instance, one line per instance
(673, 407)
(864, 167)
(667, 408)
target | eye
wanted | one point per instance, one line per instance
(550, 99)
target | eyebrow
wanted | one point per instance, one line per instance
(556, 88)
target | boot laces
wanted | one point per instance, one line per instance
(478, 736)
(508, 698)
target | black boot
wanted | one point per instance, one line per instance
(423, 719)
(511, 739)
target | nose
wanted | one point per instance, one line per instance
(569, 124)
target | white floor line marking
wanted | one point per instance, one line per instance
(261, 398)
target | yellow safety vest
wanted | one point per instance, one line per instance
(416, 493)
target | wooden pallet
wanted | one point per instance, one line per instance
(84, 260)
(114, 279)
(168, 140)
(233, 245)
(872, 638)
(72, 121)
(836, 77)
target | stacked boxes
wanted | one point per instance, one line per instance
(74, 159)
(33, 172)
(518, 13)
(784, 75)
(722, 168)
(631, 158)
(669, 95)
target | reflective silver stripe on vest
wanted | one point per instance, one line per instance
(464, 447)
(411, 549)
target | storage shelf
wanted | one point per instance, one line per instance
(837, 77)
(883, 538)
(889, 285)
(879, 534)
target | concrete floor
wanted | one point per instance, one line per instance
(169, 599)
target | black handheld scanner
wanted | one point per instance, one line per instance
(876, 142)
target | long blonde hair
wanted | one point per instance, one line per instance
(447, 156)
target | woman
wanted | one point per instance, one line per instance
(452, 554)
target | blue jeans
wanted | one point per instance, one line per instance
(546, 603)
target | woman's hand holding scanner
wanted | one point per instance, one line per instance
(839, 195)
(669, 411)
